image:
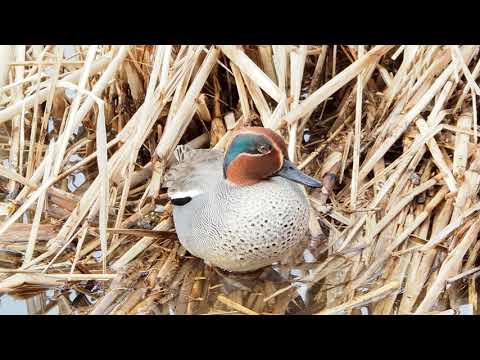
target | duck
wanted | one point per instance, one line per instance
(241, 210)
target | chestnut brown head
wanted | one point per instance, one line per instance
(257, 153)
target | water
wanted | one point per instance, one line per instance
(11, 306)
(14, 306)
(75, 181)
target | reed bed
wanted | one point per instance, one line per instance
(87, 133)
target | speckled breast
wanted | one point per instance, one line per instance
(248, 227)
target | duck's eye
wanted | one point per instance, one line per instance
(264, 149)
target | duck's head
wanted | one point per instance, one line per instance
(257, 153)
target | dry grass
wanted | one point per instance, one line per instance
(391, 131)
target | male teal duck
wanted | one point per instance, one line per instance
(242, 210)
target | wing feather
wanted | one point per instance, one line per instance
(195, 173)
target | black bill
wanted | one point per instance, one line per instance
(289, 171)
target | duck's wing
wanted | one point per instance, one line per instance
(197, 171)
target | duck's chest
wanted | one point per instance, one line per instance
(258, 221)
(276, 200)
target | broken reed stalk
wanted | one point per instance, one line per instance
(38, 211)
(362, 299)
(357, 135)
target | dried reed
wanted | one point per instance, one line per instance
(390, 130)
